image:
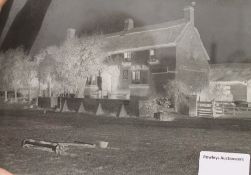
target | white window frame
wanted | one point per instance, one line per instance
(136, 75)
(127, 56)
(152, 52)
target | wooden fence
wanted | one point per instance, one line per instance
(219, 108)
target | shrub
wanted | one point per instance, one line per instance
(154, 104)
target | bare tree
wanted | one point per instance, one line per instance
(216, 92)
(47, 68)
(12, 70)
(77, 59)
(17, 71)
(69, 65)
(30, 78)
(3, 86)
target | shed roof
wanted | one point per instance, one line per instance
(159, 35)
(230, 72)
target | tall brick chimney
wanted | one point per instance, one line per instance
(129, 24)
(189, 13)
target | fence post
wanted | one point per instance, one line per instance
(223, 108)
(213, 108)
(5, 96)
(193, 109)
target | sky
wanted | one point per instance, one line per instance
(225, 24)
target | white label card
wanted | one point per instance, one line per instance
(220, 163)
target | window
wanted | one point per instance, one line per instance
(152, 56)
(152, 52)
(159, 70)
(125, 74)
(136, 76)
(127, 56)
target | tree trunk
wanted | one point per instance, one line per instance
(5, 96)
(49, 88)
(38, 93)
(60, 103)
(39, 88)
(81, 91)
(29, 94)
(15, 92)
(176, 103)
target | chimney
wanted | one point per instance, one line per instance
(189, 13)
(129, 24)
(71, 33)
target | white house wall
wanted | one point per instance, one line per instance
(192, 59)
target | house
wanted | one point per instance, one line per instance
(145, 59)
(235, 77)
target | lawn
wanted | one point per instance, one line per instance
(144, 147)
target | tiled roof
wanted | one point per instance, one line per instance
(230, 72)
(144, 37)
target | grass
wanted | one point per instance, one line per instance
(145, 147)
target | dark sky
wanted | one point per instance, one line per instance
(223, 22)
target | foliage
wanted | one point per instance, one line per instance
(1, 71)
(179, 93)
(47, 67)
(216, 92)
(17, 70)
(154, 104)
(11, 71)
(69, 65)
(29, 74)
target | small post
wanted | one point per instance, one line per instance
(15, 94)
(60, 103)
(29, 94)
(213, 108)
(193, 108)
(5, 96)
(223, 109)
(37, 101)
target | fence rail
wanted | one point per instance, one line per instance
(218, 108)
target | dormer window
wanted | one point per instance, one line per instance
(127, 56)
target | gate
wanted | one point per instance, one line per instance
(204, 109)
(215, 109)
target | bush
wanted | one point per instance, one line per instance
(179, 92)
(153, 105)
(216, 92)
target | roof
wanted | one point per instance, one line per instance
(230, 72)
(141, 38)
